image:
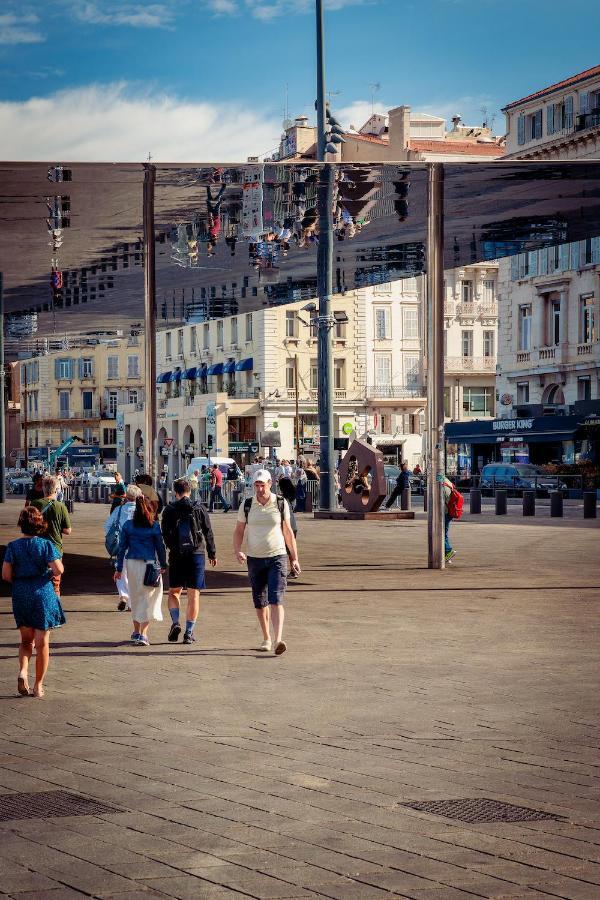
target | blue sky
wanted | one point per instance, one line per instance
(90, 78)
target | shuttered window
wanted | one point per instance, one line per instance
(569, 112)
(521, 130)
(550, 119)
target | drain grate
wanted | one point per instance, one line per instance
(480, 809)
(45, 804)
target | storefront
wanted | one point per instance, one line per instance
(547, 439)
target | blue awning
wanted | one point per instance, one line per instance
(202, 372)
(217, 369)
(244, 365)
(229, 366)
(176, 376)
(189, 374)
(163, 378)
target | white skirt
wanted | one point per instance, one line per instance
(145, 601)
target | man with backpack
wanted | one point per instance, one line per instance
(186, 531)
(265, 522)
(453, 507)
(56, 517)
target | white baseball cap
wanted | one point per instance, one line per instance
(261, 475)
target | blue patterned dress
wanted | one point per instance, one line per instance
(35, 604)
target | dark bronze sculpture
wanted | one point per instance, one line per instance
(362, 478)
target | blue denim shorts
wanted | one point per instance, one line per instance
(268, 578)
(187, 571)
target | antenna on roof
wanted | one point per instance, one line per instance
(375, 88)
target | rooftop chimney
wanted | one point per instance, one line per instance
(399, 128)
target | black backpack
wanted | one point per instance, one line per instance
(188, 532)
(280, 507)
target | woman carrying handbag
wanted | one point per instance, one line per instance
(140, 546)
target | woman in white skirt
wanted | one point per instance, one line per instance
(141, 542)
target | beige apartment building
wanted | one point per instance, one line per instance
(79, 391)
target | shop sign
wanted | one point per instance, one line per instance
(347, 428)
(243, 447)
(511, 424)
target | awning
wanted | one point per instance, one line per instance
(229, 366)
(176, 376)
(189, 374)
(244, 365)
(202, 372)
(217, 369)
(163, 378)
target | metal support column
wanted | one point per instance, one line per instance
(149, 323)
(2, 410)
(324, 282)
(435, 365)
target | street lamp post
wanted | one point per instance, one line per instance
(149, 322)
(324, 280)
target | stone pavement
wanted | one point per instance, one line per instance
(224, 772)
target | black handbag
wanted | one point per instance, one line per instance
(152, 574)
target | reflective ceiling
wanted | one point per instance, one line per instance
(234, 238)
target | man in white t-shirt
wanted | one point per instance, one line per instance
(265, 522)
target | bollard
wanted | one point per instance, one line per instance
(164, 491)
(309, 502)
(86, 493)
(77, 493)
(589, 504)
(501, 496)
(529, 503)
(107, 492)
(475, 501)
(236, 498)
(425, 500)
(556, 504)
(405, 499)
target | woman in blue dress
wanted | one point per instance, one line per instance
(29, 564)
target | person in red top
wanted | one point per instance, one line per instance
(216, 489)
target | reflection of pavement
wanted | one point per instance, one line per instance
(235, 772)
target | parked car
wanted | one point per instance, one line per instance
(19, 484)
(516, 478)
(101, 477)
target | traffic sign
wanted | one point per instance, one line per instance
(168, 442)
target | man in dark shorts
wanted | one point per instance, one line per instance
(187, 531)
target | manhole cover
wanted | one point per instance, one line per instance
(480, 809)
(45, 804)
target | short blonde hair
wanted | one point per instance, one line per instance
(132, 492)
(50, 485)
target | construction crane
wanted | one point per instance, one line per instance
(54, 455)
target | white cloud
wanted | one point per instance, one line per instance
(16, 29)
(223, 7)
(266, 10)
(469, 107)
(358, 112)
(110, 122)
(114, 12)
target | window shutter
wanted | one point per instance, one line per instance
(563, 257)
(575, 255)
(543, 261)
(514, 268)
(57, 369)
(522, 265)
(584, 102)
(80, 361)
(533, 262)
(521, 130)
(596, 250)
(538, 124)
(550, 119)
(569, 111)
(71, 368)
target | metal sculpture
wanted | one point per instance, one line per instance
(362, 478)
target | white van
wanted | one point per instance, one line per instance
(198, 461)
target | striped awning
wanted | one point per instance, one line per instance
(245, 365)
(217, 369)
(163, 378)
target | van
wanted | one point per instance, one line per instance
(198, 461)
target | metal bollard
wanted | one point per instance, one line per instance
(86, 493)
(589, 504)
(107, 492)
(556, 504)
(529, 503)
(501, 496)
(425, 500)
(405, 499)
(475, 501)
(309, 502)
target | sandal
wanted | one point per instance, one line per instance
(22, 687)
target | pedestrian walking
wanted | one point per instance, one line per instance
(264, 520)
(30, 565)
(193, 480)
(118, 492)
(453, 507)
(187, 532)
(402, 484)
(56, 517)
(112, 534)
(287, 489)
(144, 482)
(216, 489)
(141, 543)
(36, 491)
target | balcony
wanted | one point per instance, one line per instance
(461, 364)
(82, 414)
(524, 357)
(393, 392)
(449, 309)
(466, 311)
(488, 310)
(547, 353)
(584, 349)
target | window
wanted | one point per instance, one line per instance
(88, 435)
(290, 375)
(584, 388)
(291, 325)
(113, 399)
(248, 326)
(410, 323)
(133, 367)
(205, 336)
(112, 367)
(489, 292)
(385, 423)
(132, 397)
(383, 369)
(489, 344)
(447, 412)
(339, 330)
(180, 342)
(64, 368)
(339, 374)
(234, 330)
(587, 323)
(109, 435)
(383, 323)
(313, 324)
(168, 349)
(525, 327)
(555, 322)
(193, 340)
(64, 402)
(220, 333)
(87, 399)
(533, 125)
(314, 375)
(467, 343)
(466, 291)
(411, 372)
(522, 392)
(86, 367)
(478, 400)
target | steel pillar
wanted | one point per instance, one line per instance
(149, 323)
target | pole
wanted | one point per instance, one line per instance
(297, 416)
(25, 419)
(149, 323)
(435, 365)
(2, 383)
(324, 280)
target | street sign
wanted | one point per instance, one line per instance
(168, 442)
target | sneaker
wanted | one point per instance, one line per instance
(174, 632)
(122, 604)
(134, 637)
(450, 555)
(188, 637)
(266, 645)
(142, 641)
(280, 648)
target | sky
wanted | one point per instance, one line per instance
(207, 80)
